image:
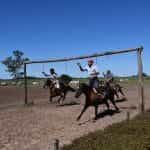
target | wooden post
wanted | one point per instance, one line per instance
(56, 144)
(25, 84)
(128, 116)
(140, 81)
(83, 57)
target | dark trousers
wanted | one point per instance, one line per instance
(94, 82)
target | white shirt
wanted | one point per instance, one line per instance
(92, 71)
(51, 76)
(54, 79)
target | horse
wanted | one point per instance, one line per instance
(118, 89)
(92, 99)
(61, 92)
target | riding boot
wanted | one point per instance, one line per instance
(97, 93)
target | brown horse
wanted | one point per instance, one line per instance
(60, 92)
(92, 99)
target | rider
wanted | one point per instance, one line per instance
(109, 77)
(53, 77)
(93, 74)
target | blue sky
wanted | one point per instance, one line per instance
(62, 28)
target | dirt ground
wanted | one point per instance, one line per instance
(35, 127)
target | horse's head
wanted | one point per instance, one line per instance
(83, 88)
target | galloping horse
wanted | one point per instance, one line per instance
(117, 88)
(61, 92)
(92, 99)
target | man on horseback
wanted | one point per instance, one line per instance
(109, 77)
(53, 77)
(109, 80)
(93, 74)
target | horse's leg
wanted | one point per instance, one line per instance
(62, 99)
(122, 93)
(59, 99)
(113, 102)
(64, 96)
(116, 93)
(83, 110)
(50, 98)
(107, 105)
(50, 94)
(96, 109)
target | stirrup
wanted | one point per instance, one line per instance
(102, 95)
(99, 94)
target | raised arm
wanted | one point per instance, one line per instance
(80, 67)
(45, 74)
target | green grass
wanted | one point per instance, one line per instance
(128, 135)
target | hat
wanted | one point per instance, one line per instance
(90, 61)
(52, 69)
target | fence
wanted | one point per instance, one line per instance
(50, 121)
(139, 60)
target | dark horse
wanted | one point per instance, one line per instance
(92, 99)
(118, 89)
(61, 92)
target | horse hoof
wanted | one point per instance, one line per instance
(118, 110)
(95, 118)
(124, 98)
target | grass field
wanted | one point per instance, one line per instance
(128, 135)
(40, 81)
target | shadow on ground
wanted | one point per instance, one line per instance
(107, 113)
(121, 100)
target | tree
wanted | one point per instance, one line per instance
(14, 63)
(145, 74)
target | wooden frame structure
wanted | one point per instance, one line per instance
(139, 62)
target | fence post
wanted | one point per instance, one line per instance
(140, 81)
(128, 116)
(25, 84)
(56, 144)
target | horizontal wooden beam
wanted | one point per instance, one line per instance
(85, 56)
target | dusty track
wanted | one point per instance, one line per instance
(35, 127)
